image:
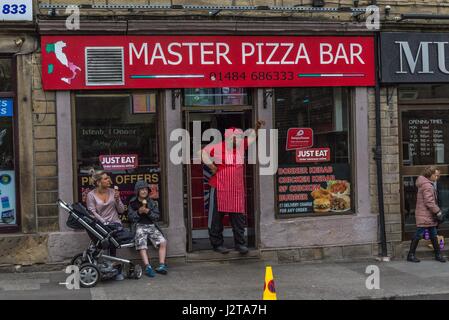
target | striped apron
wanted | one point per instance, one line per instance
(229, 180)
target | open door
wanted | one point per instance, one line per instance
(198, 176)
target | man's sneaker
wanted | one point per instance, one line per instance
(162, 269)
(241, 249)
(149, 271)
(221, 249)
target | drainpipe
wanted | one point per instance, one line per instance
(378, 151)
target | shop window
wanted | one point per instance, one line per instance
(8, 216)
(6, 75)
(425, 137)
(118, 134)
(9, 219)
(422, 92)
(315, 172)
(216, 97)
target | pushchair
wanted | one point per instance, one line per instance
(92, 263)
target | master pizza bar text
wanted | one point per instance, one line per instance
(260, 53)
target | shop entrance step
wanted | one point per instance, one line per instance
(210, 255)
(423, 251)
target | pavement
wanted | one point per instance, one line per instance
(244, 280)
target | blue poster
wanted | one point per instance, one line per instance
(6, 107)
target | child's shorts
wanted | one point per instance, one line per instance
(145, 232)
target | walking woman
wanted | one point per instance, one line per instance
(427, 212)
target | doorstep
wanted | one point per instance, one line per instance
(423, 251)
(210, 255)
(36, 267)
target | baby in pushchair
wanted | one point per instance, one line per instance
(93, 264)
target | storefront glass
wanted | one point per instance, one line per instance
(8, 209)
(5, 75)
(118, 134)
(315, 172)
(199, 188)
(216, 97)
(7, 174)
(424, 115)
(423, 92)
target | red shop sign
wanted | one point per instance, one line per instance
(299, 138)
(313, 155)
(111, 62)
(118, 162)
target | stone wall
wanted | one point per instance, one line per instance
(325, 254)
(45, 157)
(390, 163)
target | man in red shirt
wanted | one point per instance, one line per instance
(227, 194)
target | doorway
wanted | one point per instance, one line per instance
(424, 137)
(197, 177)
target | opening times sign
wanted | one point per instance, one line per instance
(207, 61)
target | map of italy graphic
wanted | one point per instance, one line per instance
(57, 48)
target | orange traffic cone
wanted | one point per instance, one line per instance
(269, 291)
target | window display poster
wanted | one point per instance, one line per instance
(313, 155)
(119, 162)
(125, 182)
(299, 138)
(7, 197)
(318, 189)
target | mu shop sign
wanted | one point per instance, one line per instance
(110, 62)
(414, 57)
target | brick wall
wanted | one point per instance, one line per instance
(45, 158)
(390, 161)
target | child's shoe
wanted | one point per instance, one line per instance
(162, 269)
(119, 277)
(149, 271)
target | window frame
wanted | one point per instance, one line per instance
(248, 106)
(352, 157)
(12, 95)
(161, 142)
(415, 170)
